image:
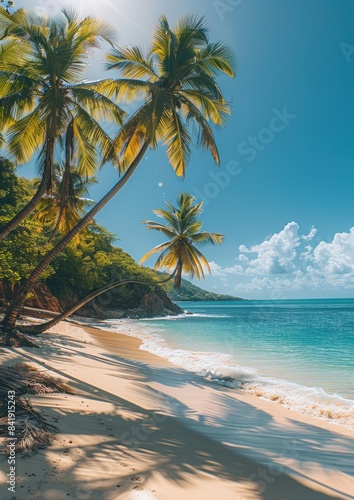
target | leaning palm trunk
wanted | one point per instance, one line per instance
(10, 318)
(42, 327)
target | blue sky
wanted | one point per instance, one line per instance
(283, 196)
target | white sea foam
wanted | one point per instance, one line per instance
(188, 315)
(222, 368)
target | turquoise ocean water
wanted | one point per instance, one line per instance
(299, 353)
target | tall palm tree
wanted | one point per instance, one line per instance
(43, 100)
(179, 254)
(177, 82)
(65, 205)
(182, 228)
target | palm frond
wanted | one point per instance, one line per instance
(191, 30)
(129, 89)
(85, 147)
(11, 58)
(171, 217)
(158, 248)
(99, 106)
(205, 238)
(203, 83)
(132, 63)
(26, 136)
(205, 134)
(167, 231)
(90, 30)
(164, 45)
(177, 139)
(217, 58)
(216, 111)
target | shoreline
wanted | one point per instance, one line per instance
(299, 396)
(140, 427)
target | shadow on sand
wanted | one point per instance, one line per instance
(183, 445)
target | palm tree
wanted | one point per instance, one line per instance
(65, 205)
(183, 231)
(177, 80)
(43, 100)
(179, 255)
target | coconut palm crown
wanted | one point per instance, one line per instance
(45, 106)
(176, 81)
(180, 254)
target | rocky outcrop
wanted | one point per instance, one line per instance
(154, 303)
(136, 301)
(40, 297)
(142, 302)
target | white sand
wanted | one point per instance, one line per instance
(139, 427)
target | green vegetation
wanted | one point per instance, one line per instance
(93, 265)
(20, 251)
(89, 263)
(46, 109)
(179, 255)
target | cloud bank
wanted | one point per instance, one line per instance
(289, 260)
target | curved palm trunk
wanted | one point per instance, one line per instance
(10, 318)
(42, 327)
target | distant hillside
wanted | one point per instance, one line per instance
(190, 292)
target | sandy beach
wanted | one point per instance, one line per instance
(139, 427)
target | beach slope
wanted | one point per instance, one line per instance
(139, 427)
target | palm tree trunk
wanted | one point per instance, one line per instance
(42, 327)
(10, 318)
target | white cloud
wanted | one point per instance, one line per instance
(336, 257)
(236, 269)
(276, 254)
(216, 270)
(311, 234)
(308, 253)
(284, 262)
